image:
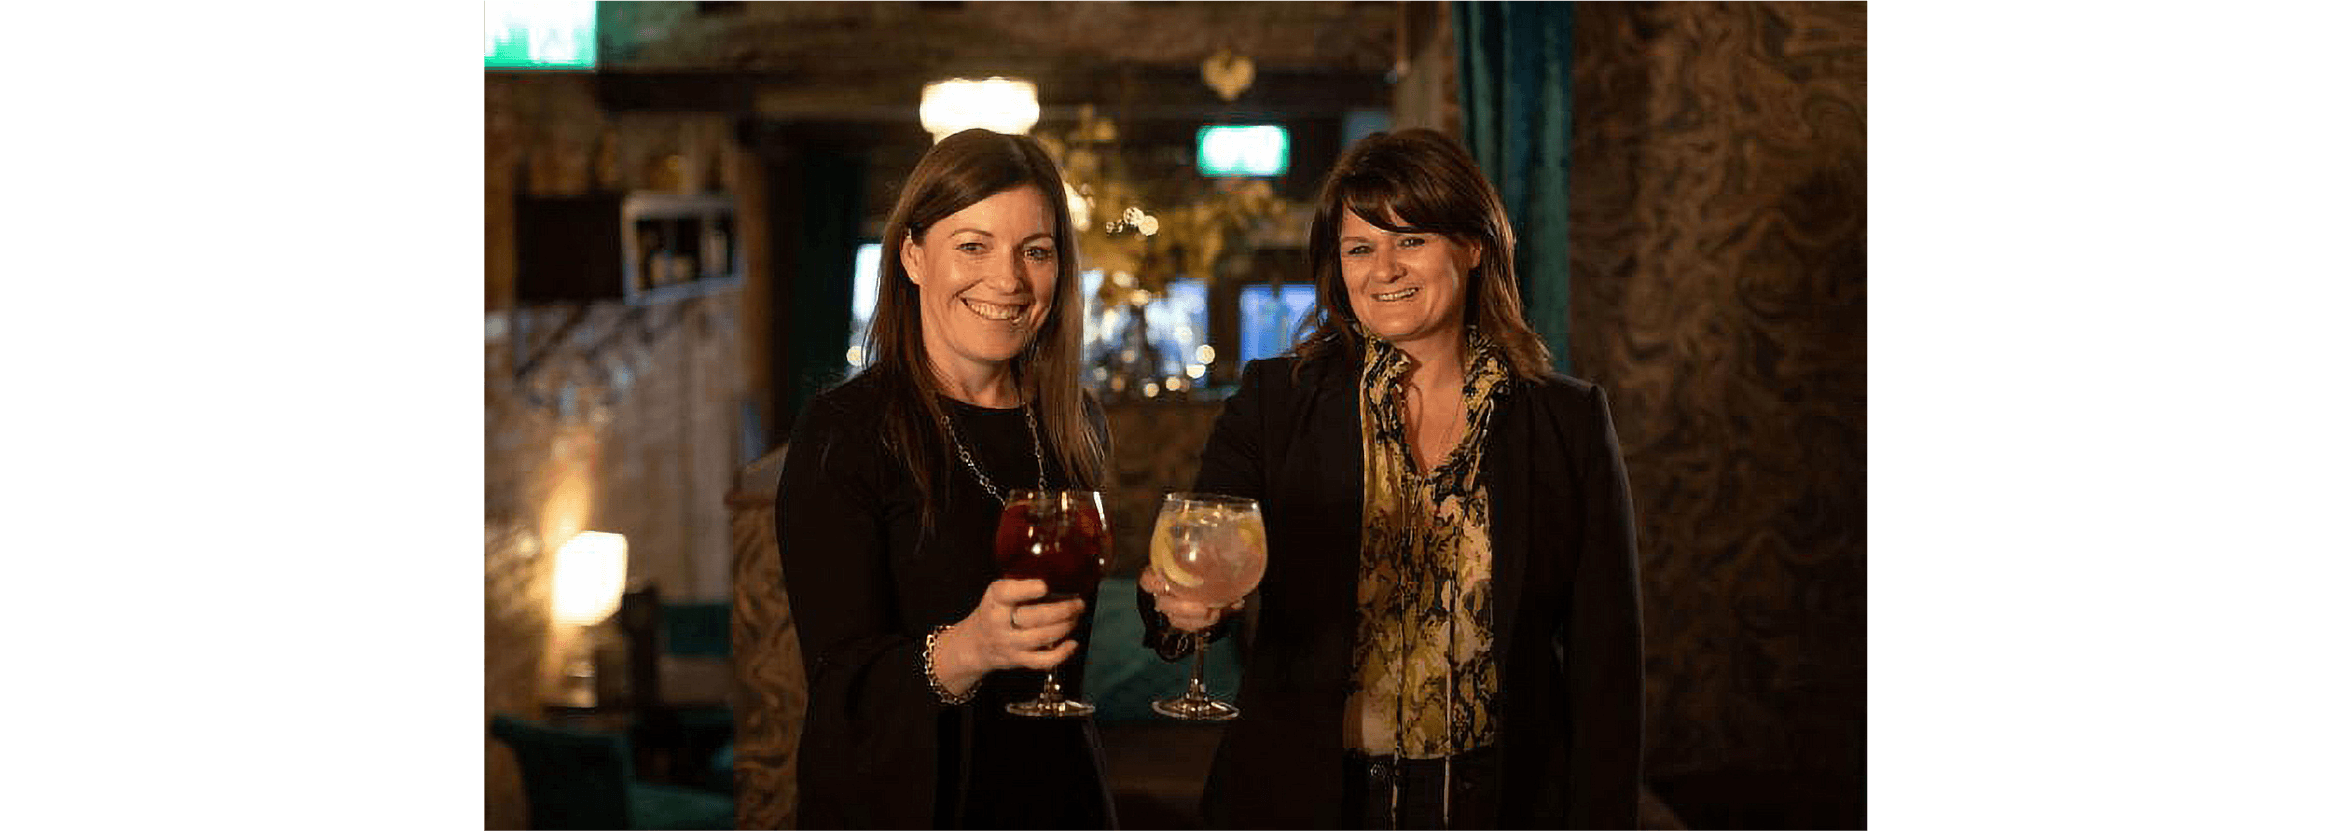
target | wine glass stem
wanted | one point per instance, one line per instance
(1199, 666)
(1052, 691)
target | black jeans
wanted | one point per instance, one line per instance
(1412, 791)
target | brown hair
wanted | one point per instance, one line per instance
(1433, 186)
(959, 171)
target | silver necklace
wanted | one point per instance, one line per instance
(1035, 443)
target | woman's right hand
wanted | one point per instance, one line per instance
(1008, 630)
(1187, 615)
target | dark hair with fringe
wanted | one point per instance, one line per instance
(1430, 183)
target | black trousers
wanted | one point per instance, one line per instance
(1412, 792)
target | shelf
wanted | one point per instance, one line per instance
(681, 291)
(638, 248)
(675, 246)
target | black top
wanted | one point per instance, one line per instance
(867, 583)
(1567, 610)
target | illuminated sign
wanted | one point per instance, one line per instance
(538, 34)
(1251, 150)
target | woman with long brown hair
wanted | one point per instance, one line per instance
(892, 485)
(1448, 632)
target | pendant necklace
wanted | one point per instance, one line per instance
(1036, 445)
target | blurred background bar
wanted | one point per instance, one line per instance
(683, 208)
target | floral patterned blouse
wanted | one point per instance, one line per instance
(1424, 665)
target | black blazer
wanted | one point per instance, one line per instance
(1567, 607)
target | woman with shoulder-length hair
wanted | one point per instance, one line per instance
(1448, 633)
(891, 491)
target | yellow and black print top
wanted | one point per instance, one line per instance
(1424, 666)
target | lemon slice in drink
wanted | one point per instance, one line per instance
(1163, 557)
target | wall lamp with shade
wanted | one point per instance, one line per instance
(1005, 105)
(591, 570)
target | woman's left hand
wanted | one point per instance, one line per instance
(1187, 615)
(1012, 627)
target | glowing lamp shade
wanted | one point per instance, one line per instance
(590, 572)
(1244, 150)
(1004, 105)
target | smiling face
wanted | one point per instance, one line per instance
(1404, 287)
(986, 276)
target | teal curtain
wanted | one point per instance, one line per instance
(1515, 87)
(816, 227)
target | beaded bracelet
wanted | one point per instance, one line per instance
(930, 671)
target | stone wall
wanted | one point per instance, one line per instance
(600, 416)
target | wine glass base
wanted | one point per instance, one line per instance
(1049, 709)
(1195, 709)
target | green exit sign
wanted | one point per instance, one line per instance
(540, 34)
(1244, 150)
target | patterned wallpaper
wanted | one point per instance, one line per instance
(765, 643)
(1719, 293)
(1157, 450)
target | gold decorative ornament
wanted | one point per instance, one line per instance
(1228, 74)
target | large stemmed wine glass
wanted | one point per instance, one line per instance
(1211, 550)
(1058, 537)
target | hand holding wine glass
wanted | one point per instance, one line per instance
(1012, 628)
(1036, 623)
(1058, 538)
(1188, 616)
(1207, 553)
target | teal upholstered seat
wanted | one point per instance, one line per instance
(677, 727)
(1123, 677)
(585, 780)
(721, 773)
(695, 628)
